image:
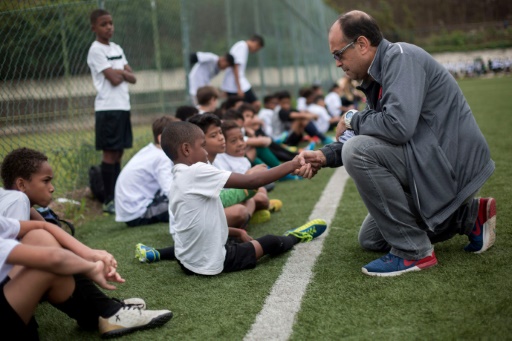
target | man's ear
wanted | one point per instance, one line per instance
(20, 184)
(363, 44)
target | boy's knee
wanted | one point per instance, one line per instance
(39, 237)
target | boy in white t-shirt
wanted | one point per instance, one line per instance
(235, 83)
(110, 74)
(42, 266)
(142, 189)
(200, 230)
(27, 177)
(207, 99)
(267, 112)
(324, 121)
(207, 66)
(333, 100)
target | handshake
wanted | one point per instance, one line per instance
(309, 163)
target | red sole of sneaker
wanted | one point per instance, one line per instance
(489, 227)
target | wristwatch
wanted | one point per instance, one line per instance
(348, 118)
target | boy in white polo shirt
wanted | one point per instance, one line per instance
(142, 189)
(234, 82)
(111, 75)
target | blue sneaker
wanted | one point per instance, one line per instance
(327, 140)
(391, 265)
(146, 254)
(483, 234)
(308, 231)
(290, 177)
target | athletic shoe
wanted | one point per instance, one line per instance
(483, 234)
(270, 187)
(311, 146)
(391, 265)
(129, 319)
(275, 205)
(109, 207)
(260, 216)
(290, 177)
(135, 302)
(308, 231)
(146, 254)
(281, 138)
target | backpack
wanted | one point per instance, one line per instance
(96, 183)
(52, 217)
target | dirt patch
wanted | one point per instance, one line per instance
(78, 206)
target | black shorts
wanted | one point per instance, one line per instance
(249, 96)
(113, 130)
(156, 212)
(11, 323)
(239, 256)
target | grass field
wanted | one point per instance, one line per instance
(465, 297)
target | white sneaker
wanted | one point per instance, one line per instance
(136, 302)
(130, 318)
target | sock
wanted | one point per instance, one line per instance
(117, 171)
(275, 245)
(108, 173)
(167, 253)
(87, 303)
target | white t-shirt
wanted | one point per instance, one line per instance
(266, 116)
(147, 172)
(278, 127)
(203, 71)
(9, 230)
(333, 104)
(100, 58)
(14, 204)
(240, 52)
(301, 104)
(235, 164)
(322, 123)
(200, 229)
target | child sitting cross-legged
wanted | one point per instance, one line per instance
(200, 230)
(234, 160)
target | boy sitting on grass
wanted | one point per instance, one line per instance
(41, 267)
(200, 230)
(142, 188)
(27, 176)
(234, 160)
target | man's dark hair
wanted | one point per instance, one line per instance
(230, 59)
(205, 94)
(177, 133)
(267, 99)
(356, 24)
(159, 125)
(205, 120)
(21, 163)
(232, 115)
(259, 39)
(96, 14)
(227, 125)
(185, 111)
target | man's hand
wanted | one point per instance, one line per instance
(315, 158)
(340, 128)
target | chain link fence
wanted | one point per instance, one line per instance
(47, 94)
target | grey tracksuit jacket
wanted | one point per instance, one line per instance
(413, 101)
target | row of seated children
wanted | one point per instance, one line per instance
(38, 260)
(200, 230)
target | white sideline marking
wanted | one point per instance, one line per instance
(275, 321)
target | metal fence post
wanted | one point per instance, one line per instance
(158, 55)
(65, 60)
(261, 63)
(185, 43)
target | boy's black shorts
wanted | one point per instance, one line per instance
(11, 323)
(249, 96)
(113, 130)
(239, 256)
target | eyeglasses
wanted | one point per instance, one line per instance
(338, 54)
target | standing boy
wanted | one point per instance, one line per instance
(235, 82)
(207, 66)
(200, 231)
(111, 75)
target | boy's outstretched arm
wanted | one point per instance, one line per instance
(258, 179)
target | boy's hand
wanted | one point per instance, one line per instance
(97, 275)
(244, 237)
(315, 159)
(108, 260)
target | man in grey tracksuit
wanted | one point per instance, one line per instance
(418, 157)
